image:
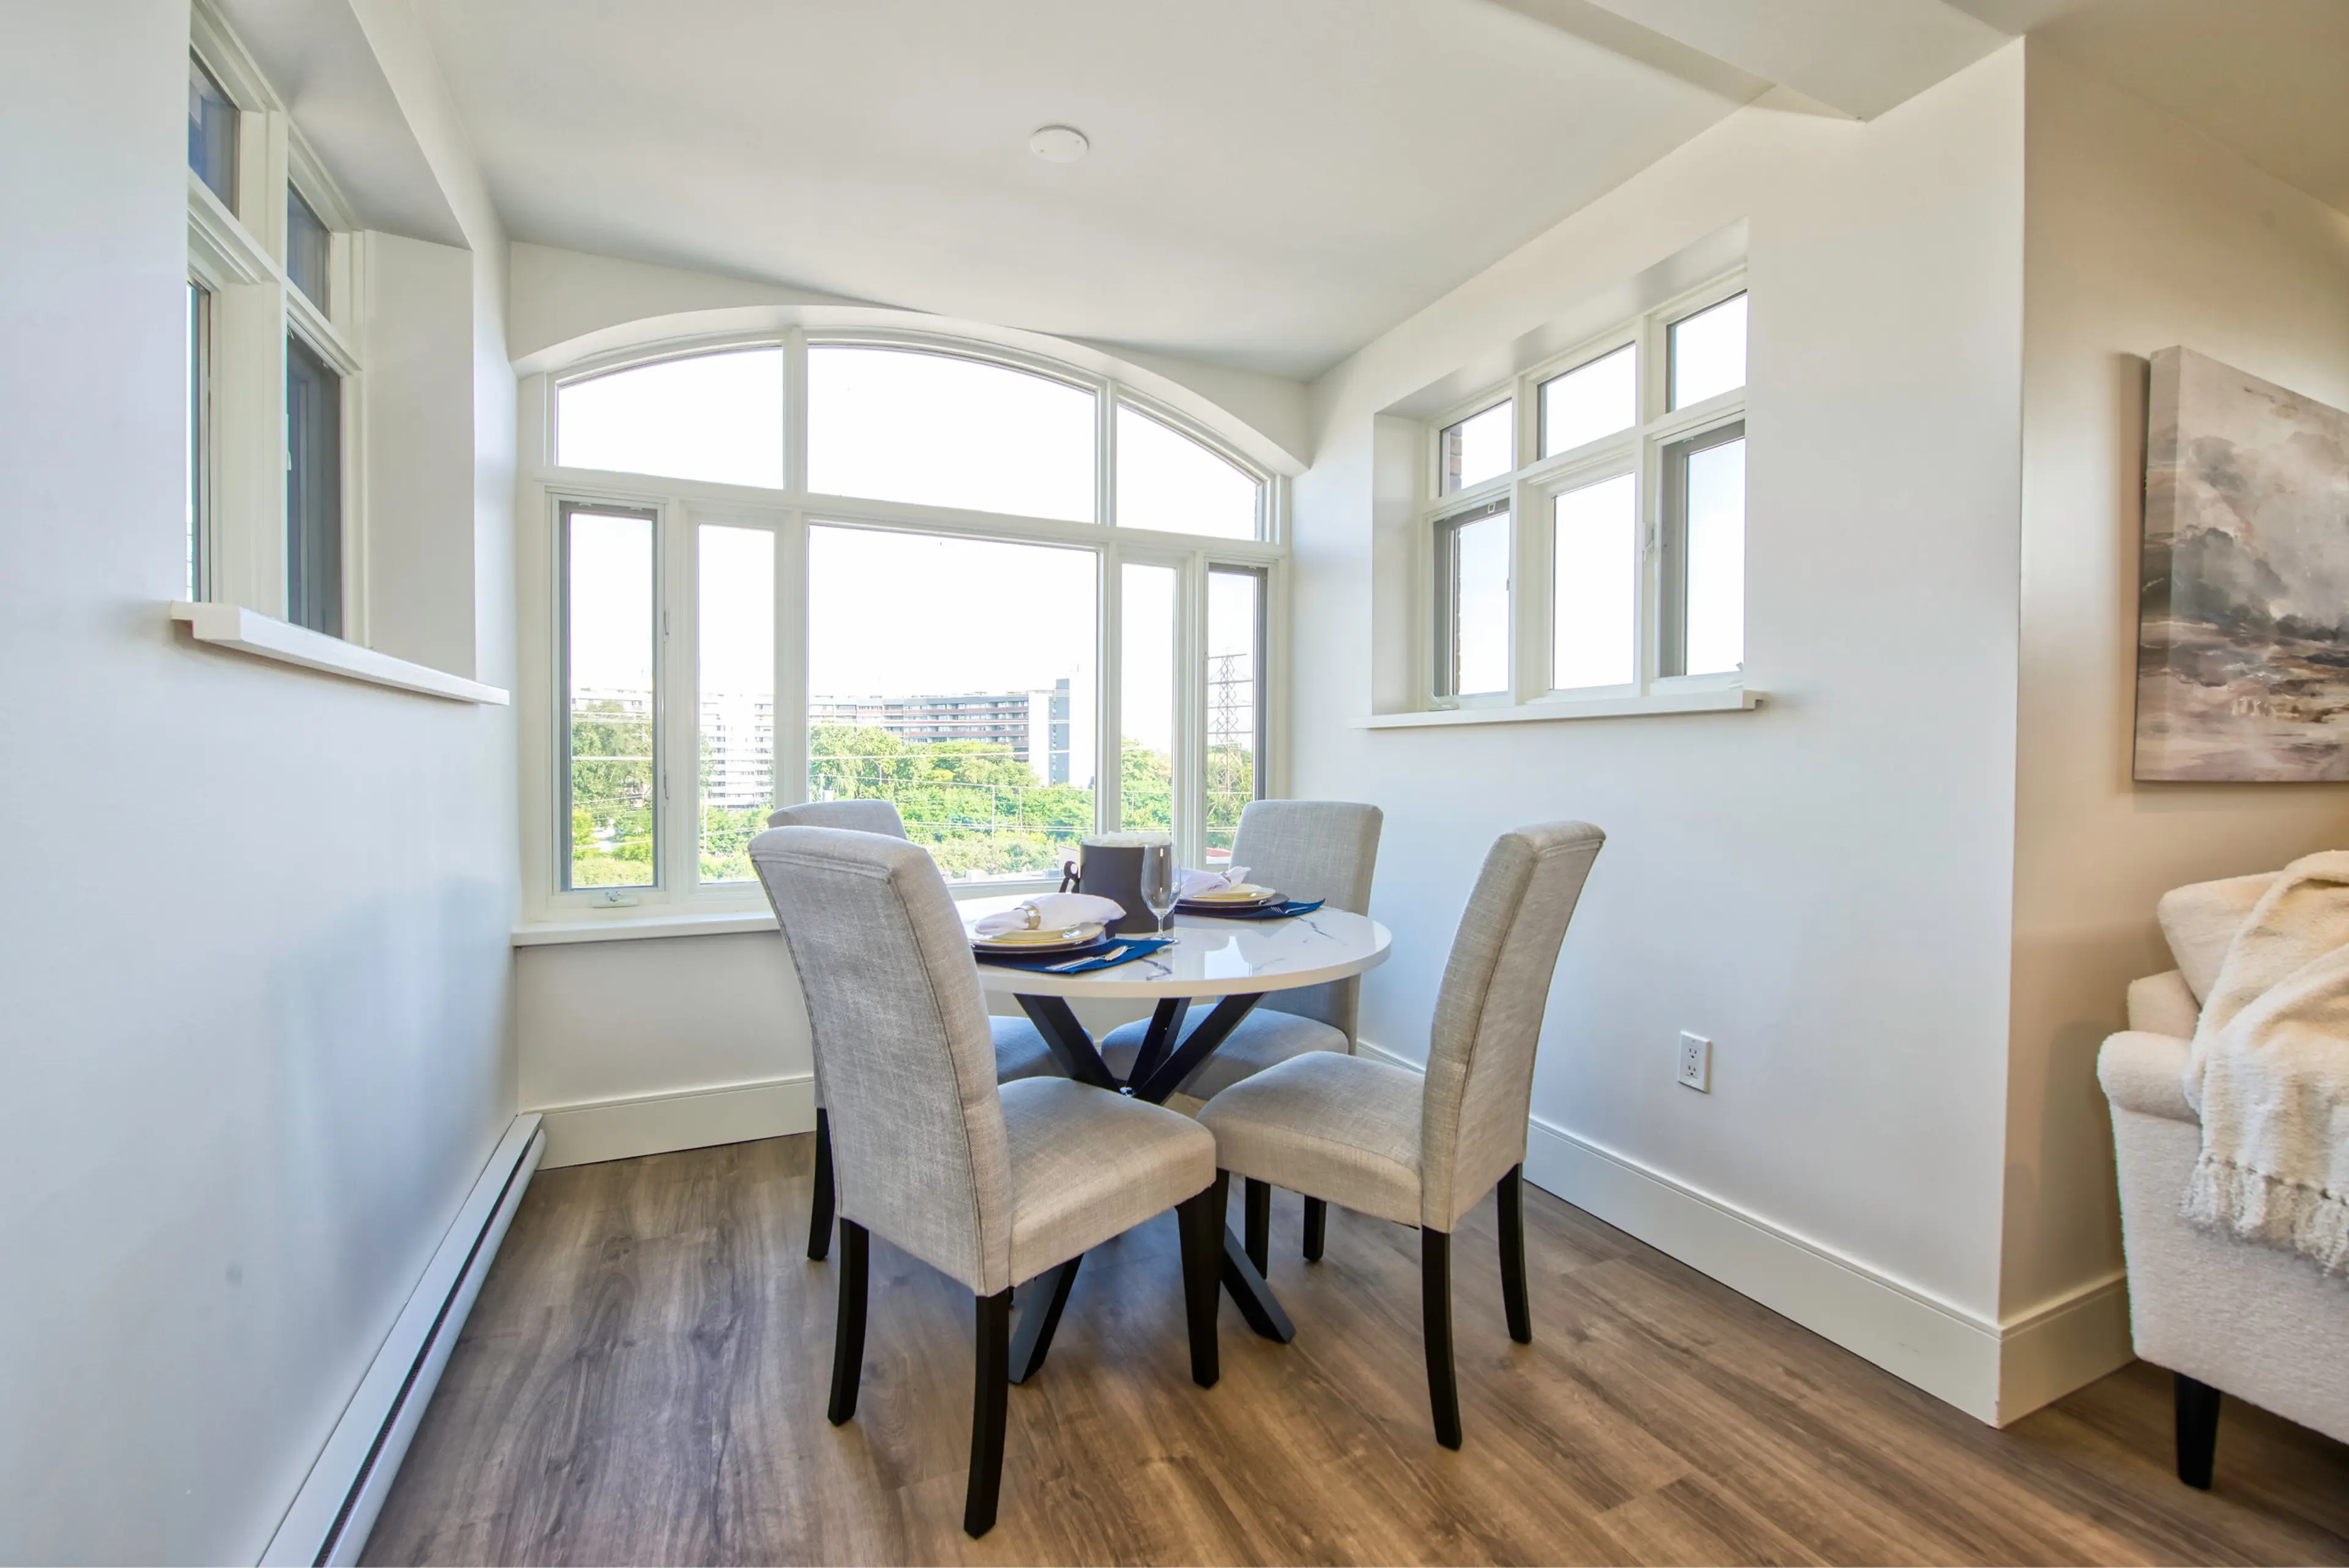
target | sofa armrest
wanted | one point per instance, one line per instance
(2143, 1072)
(2164, 1004)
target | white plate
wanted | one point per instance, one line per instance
(1039, 941)
(1225, 901)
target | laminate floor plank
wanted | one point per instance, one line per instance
(643, 1379)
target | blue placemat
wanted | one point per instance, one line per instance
(1279, 911)
(1135, 946)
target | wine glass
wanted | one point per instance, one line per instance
(1160, 884)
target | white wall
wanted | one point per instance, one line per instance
(2141, 232)
(1823, 887)
(255, 952)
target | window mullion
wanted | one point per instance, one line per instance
(1190, 806)
(1109, 735)
(795, 414)
(791, 660)
(677, 681)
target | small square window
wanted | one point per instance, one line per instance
(309, 245)
(211, 134)
(1472, 603)
(1709, 353)
(1590, 402)
(1481, 446)
(1704, 555)
(314, 490)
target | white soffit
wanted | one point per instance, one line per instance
(1860, 57)
(317, 56)
(1271, 182)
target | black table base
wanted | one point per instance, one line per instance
(1159, 1069)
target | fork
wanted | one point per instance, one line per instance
(1113, 953)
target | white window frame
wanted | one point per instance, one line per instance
(681, 506)
(1529, 490)
(239, 258)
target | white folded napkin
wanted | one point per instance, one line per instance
(1053, 912)
(1194, 883)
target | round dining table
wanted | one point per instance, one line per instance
(1237, 962)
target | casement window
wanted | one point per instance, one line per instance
(274, 379)
(1584, 526)
(1018, 600)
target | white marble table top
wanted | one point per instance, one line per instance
(1211, 958)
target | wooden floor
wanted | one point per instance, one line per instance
(642, 1381)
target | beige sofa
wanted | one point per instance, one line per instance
(2223, 1315)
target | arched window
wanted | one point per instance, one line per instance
(717, 416)
(872, 590)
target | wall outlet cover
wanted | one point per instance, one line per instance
(1694, 1068)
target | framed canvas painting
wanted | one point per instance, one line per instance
(2243, 600)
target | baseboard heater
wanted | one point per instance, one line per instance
(337, 1507)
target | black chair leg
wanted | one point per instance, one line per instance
(1435, 1321)
(1255, 1209)
(848, 1328)
(1316, 1228)
(1200, 1220)
(988, 1409)
(1512, 1201)
(819, 1205)
(2198, 1432)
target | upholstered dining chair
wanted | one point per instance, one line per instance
(991, 1184)
(1020, 1050)
(1306, 849)
(1421, 1150)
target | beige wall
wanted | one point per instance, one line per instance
(2140, 233)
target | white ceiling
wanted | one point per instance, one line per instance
(1272, 183)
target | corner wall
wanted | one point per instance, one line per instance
(254, 1048)
(1823, 887)
(2140, 233)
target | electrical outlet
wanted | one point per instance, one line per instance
(1696, 1063)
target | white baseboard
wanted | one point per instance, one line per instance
(589, 1131)
(1996, 1371)
(330, 1517)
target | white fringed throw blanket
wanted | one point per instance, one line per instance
(2270, 1071)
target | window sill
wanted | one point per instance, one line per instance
(635, 926)
(265, 637)
(1722, 700)
(636, 923)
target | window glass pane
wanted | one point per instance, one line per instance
(897, 425)
(607, 560)
(314, 491)
(737, 669)
(1709, 353)
(1595, 530)
(1235, 701)
(211, 134)
(1479, 447)
(1146, 699)
(1477, 572)
(1716, 558)
(1595, 400)
(718, 417)
(308, 246)
(198, 414)
(955, 676)
(1166, 480)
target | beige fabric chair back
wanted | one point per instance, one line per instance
(857, 816)
(1313, 849)
(2200, 920)
(902, 1044)
(1488, 1015)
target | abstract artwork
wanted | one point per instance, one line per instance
(2243, 603)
